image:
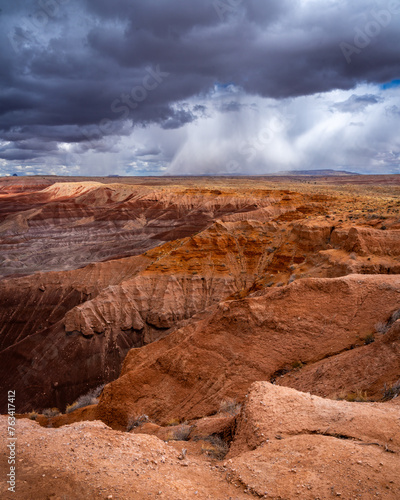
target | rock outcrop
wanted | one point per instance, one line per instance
(221, 316)
(359, 373)
(89, 460)
(189, 248)
(285, 444)
(192, 370)
(294, 445)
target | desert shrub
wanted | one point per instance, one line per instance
(182, 433)
(179, 433)
(340, 396)
(296, 365)
(134, 422)
(382, 328)
(292, 278)
(391, 392)
(359, 396)
(368, 339)
(173, 422)
(86, 399)
(215, 447)
(395, 316)
(51, 412)
(33, 415)
(230, 406)
(353, 256)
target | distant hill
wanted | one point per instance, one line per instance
(321, 172)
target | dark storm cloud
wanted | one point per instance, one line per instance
(148, 152)
(77, 72)
(179, 118)
(357, 103)
(227, 107)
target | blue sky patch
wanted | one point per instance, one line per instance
(390, 85)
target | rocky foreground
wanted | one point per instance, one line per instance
(286, 444)
(254, 323)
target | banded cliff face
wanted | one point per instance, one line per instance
(161, 259)
(312, 322)
(67, 226)
(46, 326)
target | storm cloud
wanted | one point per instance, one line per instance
(88, 86)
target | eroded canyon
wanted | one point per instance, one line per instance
(262, 312)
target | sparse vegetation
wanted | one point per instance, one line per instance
(134, 422)
(358, 396)
(215, 447)
(392, 391)
(173, 421)
(394, 317)
(33, 415)
(297, 365)
(180, 433)
(230, 406)
(51, 412)
(368, 339)
(91, 398)
(382, 328)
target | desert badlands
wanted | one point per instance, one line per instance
(200, 338)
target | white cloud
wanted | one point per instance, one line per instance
(239, 133)
(310, 132)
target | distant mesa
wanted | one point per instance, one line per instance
(320, 172)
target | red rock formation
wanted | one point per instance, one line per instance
(358, 373)
(290, 444)
(242, 240)
(286, 444)
(95, 337)
(188, 373)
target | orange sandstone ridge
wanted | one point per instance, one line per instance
(188, 247)
(205, 305)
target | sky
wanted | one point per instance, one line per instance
(199, 87)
